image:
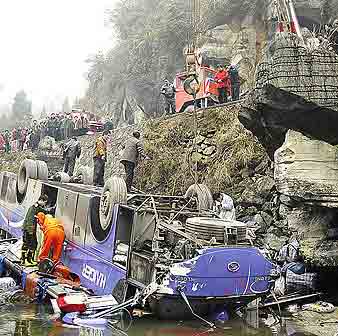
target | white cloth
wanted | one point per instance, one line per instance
(225, 209)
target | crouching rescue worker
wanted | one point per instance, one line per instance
(53, 237)
(30, 242)
(224, 206)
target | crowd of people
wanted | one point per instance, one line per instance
(59, 126)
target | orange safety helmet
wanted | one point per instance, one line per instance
(40, 217)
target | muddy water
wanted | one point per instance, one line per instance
(37, 320)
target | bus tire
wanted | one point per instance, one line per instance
(203, 195)
(42, 170)
(28, 169)
(114, 192)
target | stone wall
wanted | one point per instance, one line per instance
(293, 110)
(290, 66)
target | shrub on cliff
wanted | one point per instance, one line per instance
(215, 152)
(10, 162)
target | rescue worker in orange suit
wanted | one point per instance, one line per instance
(100, 158)
(53, 237)
(29, 243)
(223, 84)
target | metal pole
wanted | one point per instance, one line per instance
(295, 19)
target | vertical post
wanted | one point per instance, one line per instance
(252, 318)
(294, 19)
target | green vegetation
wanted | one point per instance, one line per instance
(10, 162)
(177, 158)
(151, 37)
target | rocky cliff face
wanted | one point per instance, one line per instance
(307, 170)
(293, 110)
(306, 180)
(213, 147)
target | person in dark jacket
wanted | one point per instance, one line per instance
(29, 230)
(235, 82)
(168, 90)
(100, 158)
(71, 152)
(68, 127)
(133, 149)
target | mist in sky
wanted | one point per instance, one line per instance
(44, 45)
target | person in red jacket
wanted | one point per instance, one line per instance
(223, 84)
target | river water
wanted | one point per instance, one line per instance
(38, 320)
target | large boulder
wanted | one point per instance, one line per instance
(258, 191)
(48, 144)
(307, 170)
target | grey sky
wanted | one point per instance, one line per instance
(44, 44)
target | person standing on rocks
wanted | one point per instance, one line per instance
(65, 126)
(62, 128)
(84, 124)
(223, 84)
(100, 158)
(58, 126)
(224, 206)
(133, 149)
(71, 152)
(168, 90)
(235, 82)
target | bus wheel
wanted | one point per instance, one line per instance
(114, 192)
(28, 169)
(203, 195)
(42, 170)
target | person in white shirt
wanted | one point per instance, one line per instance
(224, 206)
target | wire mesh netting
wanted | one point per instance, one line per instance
(291, 67)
